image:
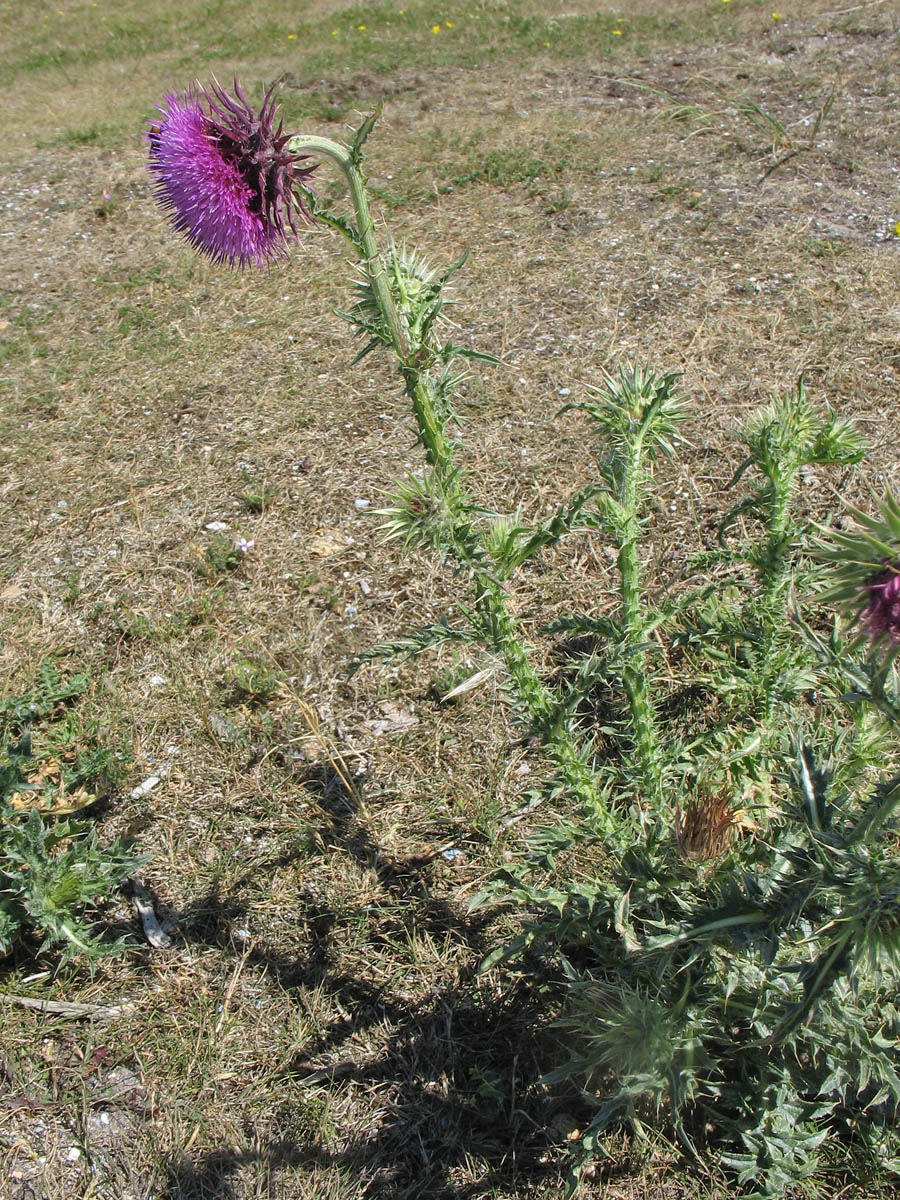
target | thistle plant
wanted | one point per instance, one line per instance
(398, 306)
(730, 973)
(748, 1005)
(749, 671)
(53, 871)
(233, 184)
(783, 441)
(734, 984)
(637, 416)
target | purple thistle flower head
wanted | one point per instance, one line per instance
(225, 176)
(881, 615)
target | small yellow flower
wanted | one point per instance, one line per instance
(897, 229)
(291, 36)
(776, 16)
(334, 33)
(449, 24)
(361, 28)
(435, 29)
(617, 33)
(546, 43)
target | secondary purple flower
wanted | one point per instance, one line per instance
(224, 174)
(882, 612)
(864, 575)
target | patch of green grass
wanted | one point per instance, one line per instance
(829, 248)
(453, 163)
(134, 279)
(95, 135)
(251, 680)
(378, 38)
(196, 611)
(131, 317)
(219, 557)
(679, 190)
(502, 168)
(258, 496)
(122, 623)
(132, 626)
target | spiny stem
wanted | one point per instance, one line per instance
(634, 679)
(776, 574)
(777, 533)
(368, 247)
(499, 626)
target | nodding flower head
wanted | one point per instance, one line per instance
(225, 176)
(864, 572)
(881, 615)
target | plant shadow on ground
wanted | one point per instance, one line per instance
(456, 1094)
(457, 1076)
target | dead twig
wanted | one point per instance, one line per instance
(68, 1008)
